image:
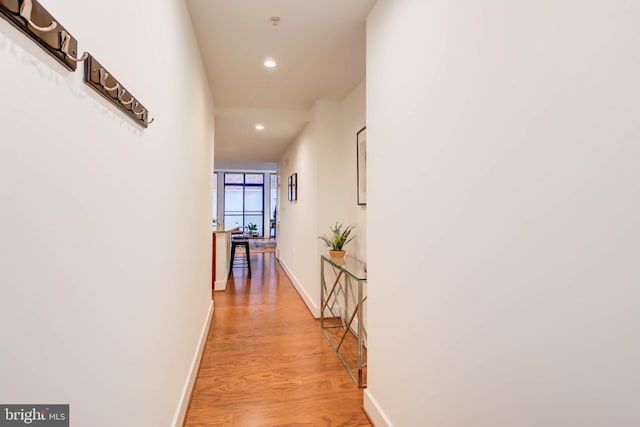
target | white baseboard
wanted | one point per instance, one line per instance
(315, 310)
(178, 419)
(374, 412)
(220, 285)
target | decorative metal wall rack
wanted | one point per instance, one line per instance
(100, 80)
(39, 25)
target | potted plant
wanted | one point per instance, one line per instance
(337, 239)
(253, 229)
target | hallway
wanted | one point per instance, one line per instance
(266, 362)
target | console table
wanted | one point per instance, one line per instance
(341, 305)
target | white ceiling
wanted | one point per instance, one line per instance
(319, 46)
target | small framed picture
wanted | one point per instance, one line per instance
(294, 187)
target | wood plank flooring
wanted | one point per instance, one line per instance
(266, 362)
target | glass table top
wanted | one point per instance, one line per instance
(350, 265)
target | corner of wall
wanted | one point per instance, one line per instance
(374, 411)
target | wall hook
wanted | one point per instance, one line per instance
(103, 80)
(25, 12)
(120, 97)
(65, 40)
(141, 113)
(121, 92)
(144, 116)
(97, 77)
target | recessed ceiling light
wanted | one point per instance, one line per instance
(259, 127)
(270, 63)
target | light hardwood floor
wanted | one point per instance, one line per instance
(266, 362)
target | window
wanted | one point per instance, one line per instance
(244, 200)
(273, 203)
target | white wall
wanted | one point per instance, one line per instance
(510, 133)
(105, 262)
(354, 119)
(297, 229)
(325, 160)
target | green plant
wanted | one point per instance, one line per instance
(252, 227)
(338, 237)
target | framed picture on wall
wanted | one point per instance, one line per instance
(294, 186)
(290, 187)
(361, 156)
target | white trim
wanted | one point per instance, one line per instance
(178, 419)
(315, 310)
(374, 412)
(220, 285)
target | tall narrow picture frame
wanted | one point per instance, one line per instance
(361, 156)
(294, 187)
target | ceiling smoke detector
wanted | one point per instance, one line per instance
(275, 20)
